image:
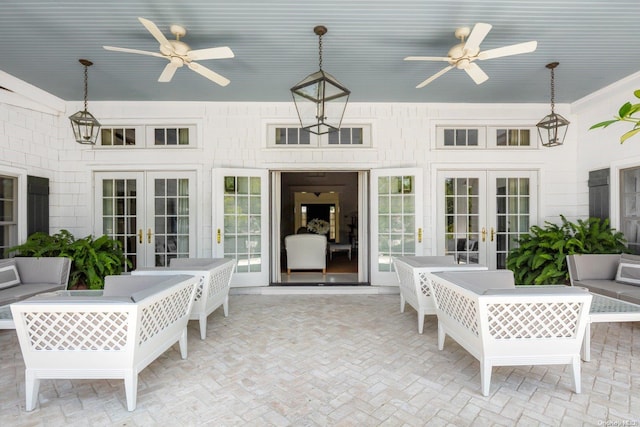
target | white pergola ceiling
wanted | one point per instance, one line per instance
(275, 47)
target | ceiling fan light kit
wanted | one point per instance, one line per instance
(553, 127)
(463, 55)
(85, 126)
(320, 99)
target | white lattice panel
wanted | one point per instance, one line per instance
(533, 320)
(219, 280)
(157, 316)
(458, 306)
(424, 284)
(77, 331)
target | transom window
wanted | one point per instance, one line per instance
(485, 137)
(281, 136)
(148, 136)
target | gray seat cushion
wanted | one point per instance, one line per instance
(631, 296)
(609, 288)
(20, 292)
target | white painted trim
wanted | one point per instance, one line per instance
(21, 175)
(38, 96)
(614, 189)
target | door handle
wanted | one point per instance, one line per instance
(419, 235)
(484, 234)
(149, 234)
(140, 236)
(218, 236)
(492, 233)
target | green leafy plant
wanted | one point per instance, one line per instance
(625, 114)
(540, 258)
(92, 258)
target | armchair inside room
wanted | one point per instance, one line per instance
(306, 252)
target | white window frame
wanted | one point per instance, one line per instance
(492, 137)
(21, 176)
(316, 141)
(482, 136)
(487, 134)
(145, 129)
(139, 133)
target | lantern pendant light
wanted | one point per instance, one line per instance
(320, 99)
(553, 127)
(85, 126)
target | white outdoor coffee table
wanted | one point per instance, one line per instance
(606, 309)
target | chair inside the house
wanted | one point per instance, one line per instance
(467, 251)
(306, 252)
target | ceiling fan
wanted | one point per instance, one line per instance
(178, 54)
(463, 55)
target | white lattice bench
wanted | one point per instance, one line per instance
(112, 336)
(214, 275)
(412, 271)
(511, 326)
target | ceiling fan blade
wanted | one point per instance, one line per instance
(435, 76)
(211, 75)
(476, 73)
(168, 72)
(427, 58)
(155, 32)
(211, 53)
(479, 32)
(140, 52)
(514, 49)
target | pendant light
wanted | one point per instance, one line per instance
(553, 127)
(85, 126)
(320, 99)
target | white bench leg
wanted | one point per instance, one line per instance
(32, 387)
(485, 376)
(183, 343)
(131, 389)
(420, 321)
(402, 303)
(225, 306)
(202, 320)
(441, 336)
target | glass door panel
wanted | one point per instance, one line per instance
(396, 229)
(243, 230)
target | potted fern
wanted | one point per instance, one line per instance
(92, 258)
(540, 258)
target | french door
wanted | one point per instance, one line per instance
(151, 213)
(396, 220)
(241, 223)
(481, 214)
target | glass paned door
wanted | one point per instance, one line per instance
(150, 213)
(396, 221)
(484, 213)
(241, 223)
(171, 218)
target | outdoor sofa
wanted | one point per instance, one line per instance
(613, 275)
(503, 325)
(116, 335)
(24, 277)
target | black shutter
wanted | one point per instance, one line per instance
(37, 204)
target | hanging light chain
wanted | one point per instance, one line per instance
(320, 50)
(86, 85)
(553, 90)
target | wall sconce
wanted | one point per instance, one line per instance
(553, 127)
(85, 126)
(320, 99)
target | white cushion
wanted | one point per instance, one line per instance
(628, 273)
(9, 277)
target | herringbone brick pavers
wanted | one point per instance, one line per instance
(329, 360)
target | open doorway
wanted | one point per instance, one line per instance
(333, 199)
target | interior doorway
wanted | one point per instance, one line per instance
(332, 197)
